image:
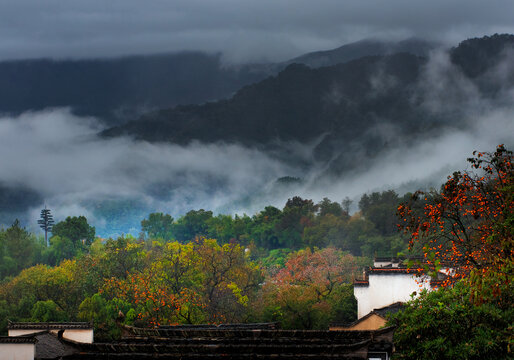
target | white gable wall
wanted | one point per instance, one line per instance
(79, 335)
(17, 351)
(386, 289)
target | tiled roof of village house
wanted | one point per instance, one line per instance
(390, 309)
(360, 283)
(385, 270)
(51, 346)
(231, 341)
(212, 343)
(220, 333)
(48, 325)
(251, 326)
(388, 270)
(397, 259)
(17, 340)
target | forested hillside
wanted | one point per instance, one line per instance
(120, 89)
(348, 107)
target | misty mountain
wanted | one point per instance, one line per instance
(367, 47)
(299, 103)
(398, 121)
(120, 89)
(362, 105)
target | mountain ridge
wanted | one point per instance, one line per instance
(120, 89)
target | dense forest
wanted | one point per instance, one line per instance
(293, 265)
(297, 263)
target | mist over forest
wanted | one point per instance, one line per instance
(389, 121)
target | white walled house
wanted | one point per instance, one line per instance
(17, 348)
(386, 283)
(81, 332)
(386, 286)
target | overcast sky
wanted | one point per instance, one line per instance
(244, 30)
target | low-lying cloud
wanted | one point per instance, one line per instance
(60, 156)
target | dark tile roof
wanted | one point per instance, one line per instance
(229, 343)
(250, 326)
(17, 340)
(389, 309)
(360, 283)
(391, 270)
(218, 333)
(48, 325)
(51, 346)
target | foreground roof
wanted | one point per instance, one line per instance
(230, 343)
(17, 340)
(48, 325)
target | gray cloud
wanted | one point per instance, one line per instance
(60, 155)
(243, 30)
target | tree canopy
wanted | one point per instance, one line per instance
(468, 225)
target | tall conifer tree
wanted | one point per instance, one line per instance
(46, 222)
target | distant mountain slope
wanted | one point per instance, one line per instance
(368, 47)
(344, 104)
(121, 89)
(298, 104)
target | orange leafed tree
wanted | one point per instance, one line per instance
(468, 225)
(312, 288)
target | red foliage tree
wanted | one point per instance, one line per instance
(468, 225)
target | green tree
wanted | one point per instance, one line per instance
(444, 324)
(264, 228)
(328, 207)
(380, 209)
(121, 257)
(191, 225)
(158, 226)
(296, 215)
(326, 230)
(103, 314)
(19, 246)
(70, 238)
(47, 311)
(76, 229)
(46, 222)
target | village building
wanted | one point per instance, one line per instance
(390, 281)
(17, 348)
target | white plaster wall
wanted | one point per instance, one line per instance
(19, 332)
(17, 351)
(381, 263)
(78, 335)
(386, 289)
